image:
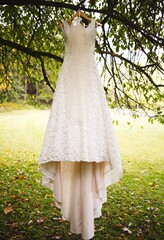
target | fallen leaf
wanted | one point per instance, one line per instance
(147, 220)
(13, 196)
(118, 225)
(56, 219)
(28, 186)
(8, 210)
(52, 204)
(14, 225)
(20, 177)
(47, 196)
(125, 229)
(40, 220)
(46, 227)
(139, 231)
(62, 220)
(30, 222)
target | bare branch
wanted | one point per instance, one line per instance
(140, 69)
(45, 74)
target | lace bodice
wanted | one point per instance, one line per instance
(79, 40)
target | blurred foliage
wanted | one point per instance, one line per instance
(129, 47)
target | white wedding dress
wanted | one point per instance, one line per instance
(80, 156)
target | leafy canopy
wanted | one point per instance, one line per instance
(129, 47)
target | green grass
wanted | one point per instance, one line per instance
(136, 202)
(10, 106)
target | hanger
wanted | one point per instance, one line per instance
(80, 13)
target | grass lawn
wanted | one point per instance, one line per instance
(134, 209)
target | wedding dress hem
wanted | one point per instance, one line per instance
(79, 190)
(112, 176)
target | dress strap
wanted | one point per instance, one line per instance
(65, 24)
(92, 23)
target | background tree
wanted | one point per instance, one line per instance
(129, 47)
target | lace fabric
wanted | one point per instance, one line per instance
(80, 133)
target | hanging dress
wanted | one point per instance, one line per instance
(80, 156)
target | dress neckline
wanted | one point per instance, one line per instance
(76, 22)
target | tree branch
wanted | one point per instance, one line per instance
(45, 74)
(140, 69)
(39, 3)
(29, 51)
(34, 30)
(147, 34)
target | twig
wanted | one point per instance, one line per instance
(45, 74)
